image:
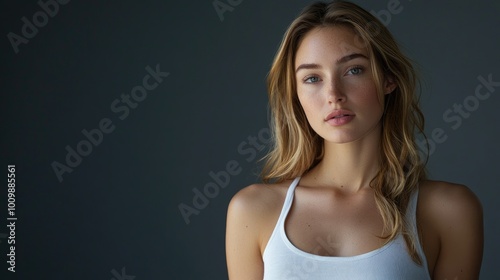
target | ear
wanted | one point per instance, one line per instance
(389, 84)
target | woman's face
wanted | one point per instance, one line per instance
(335, 85)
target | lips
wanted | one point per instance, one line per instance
(339, 117)
(340, 113)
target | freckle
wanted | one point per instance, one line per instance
(341, 186)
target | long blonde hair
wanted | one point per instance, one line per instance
(296, 146)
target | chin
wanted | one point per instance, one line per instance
(344, 139)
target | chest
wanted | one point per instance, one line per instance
(327, 223)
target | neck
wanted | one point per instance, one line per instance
(349, 166)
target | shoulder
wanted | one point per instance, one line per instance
(254, 210)
(445, 201)
(452, 227)
(256, 199)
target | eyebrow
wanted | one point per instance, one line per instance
(341, 60)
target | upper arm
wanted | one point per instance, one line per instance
(458, 218)
(243, 255)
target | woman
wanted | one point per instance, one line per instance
(345, 195)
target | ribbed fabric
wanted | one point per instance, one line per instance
(284, 261)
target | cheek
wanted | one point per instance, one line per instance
(369, 98)
(310, 103)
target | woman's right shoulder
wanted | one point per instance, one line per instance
(259, 198)
(253, 212)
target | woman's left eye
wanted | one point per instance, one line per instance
(355, 71)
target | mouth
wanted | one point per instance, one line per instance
(338, 114)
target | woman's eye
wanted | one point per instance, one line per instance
(311, 80)
(355, 71)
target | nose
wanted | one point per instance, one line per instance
(335, 94)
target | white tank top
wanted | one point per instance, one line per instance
(284, 261)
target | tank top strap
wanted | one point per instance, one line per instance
(411, 216)
(288, 200)
(411, 212)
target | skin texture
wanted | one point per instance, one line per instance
(334, 211)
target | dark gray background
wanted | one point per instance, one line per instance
(119, 207)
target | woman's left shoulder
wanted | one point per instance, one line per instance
(452, 211)
(451, 220)
(448, 200)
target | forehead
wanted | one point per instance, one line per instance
(331, 42)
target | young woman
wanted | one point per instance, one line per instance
(345, 195)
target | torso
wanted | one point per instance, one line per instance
(329, 222)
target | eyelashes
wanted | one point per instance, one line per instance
(311, 80)
(351, 71)
(356, 70)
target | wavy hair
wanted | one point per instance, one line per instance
(296, 146)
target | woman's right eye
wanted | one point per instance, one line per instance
(311, 80)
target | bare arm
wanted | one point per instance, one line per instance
(458, 218)
(243, 225)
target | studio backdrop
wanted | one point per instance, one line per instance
(129, 125)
